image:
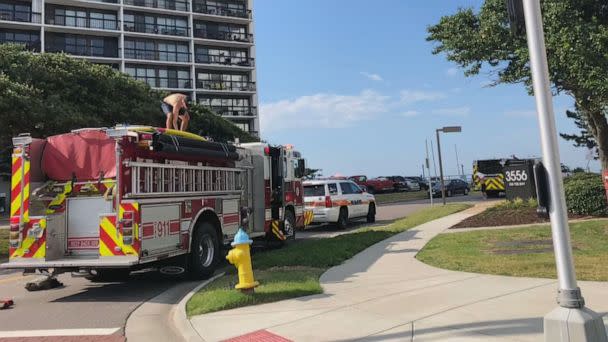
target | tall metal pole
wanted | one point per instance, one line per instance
(571, 315)
(428, 167)
(433, 155)
(440, 167)
(457, 161)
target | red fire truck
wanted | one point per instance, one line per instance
(108, 201)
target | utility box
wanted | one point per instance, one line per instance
(519, 179)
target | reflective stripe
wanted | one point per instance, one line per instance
(31, 246)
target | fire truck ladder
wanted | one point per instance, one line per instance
(153, 179)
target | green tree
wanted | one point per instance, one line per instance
(576, 33)
(46, 94)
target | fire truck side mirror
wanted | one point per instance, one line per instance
(542, 190)
(301, 170)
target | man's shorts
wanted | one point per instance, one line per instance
(167, 108)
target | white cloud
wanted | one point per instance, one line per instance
(456, 111)
(521, 113)
(373, 77)
(452, 72)
(412, 96)
(322, 110)
(410, 113)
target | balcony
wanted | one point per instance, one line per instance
(175, 5)
(234, 111)
(20, 16)
(164, 56)
(226, 36)
(222, 11)
(83, 22)
(237, 86)
(168, 30)
(225, 60)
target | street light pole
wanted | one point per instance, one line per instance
(579, 323)
(440, 167)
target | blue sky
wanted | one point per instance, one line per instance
(354, 86)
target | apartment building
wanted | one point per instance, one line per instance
(202, 48)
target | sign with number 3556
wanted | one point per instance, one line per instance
(516, 176)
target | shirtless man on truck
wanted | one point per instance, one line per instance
(175, 107)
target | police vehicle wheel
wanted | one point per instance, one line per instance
(466, 192)
(343, 218)
(371, 213)
(290, 225)
(205, 252)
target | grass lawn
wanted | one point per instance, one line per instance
(294, 271)
(401, 196)
(3, 244)
(523, 252)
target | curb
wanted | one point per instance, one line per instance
(179, 318)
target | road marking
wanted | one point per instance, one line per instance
(59, 332)
(14, 278)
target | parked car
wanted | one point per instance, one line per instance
(412, 184)
(452, 187)
(424, 185)
(380, 184)
(338, 201)
(399, 183)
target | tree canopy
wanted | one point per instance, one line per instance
(576, 34)
(46, 94)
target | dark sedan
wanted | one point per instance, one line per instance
(452, 187)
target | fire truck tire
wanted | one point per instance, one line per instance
(205, 252)
(371, 213)
(343, 218)
(371, 190)
(290, 225)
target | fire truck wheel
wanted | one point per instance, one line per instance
(290, 225)
(371, 213)
(343, 218)
(205, 251)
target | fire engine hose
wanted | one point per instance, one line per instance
(171, 148)
(185, 142)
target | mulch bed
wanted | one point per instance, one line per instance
(506, 217)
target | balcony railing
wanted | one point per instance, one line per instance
(21, 16)
(222, 10)
(228, 36)
(82, 51)
(166, 82)
(224, 60)
(106, 1)
(169, 30)
(176, 5)
(234, 111)
(165, 56)
(74, 21)
(225, 85)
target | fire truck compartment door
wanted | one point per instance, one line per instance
(160, 226)
(83, 227)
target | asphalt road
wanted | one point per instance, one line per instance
(87, 307)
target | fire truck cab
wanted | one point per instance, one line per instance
(119, 199)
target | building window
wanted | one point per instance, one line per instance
(31, 39)
(173, 26)
(225, 56)
(81, 17)
(223, 8)
(18, 11)
(160, 77)
(82, 45)
(218, 81)
(209, 30)
(176, 5)
(228, 106)
(157, 50)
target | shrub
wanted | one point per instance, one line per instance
(585, 194)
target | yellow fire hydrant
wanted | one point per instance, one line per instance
(240, 257)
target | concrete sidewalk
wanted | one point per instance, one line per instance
(385, 294)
